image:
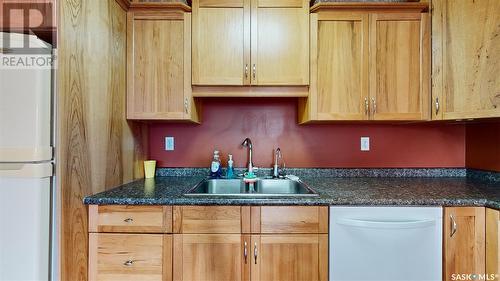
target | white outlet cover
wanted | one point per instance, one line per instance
(169, 143)
(365, 143)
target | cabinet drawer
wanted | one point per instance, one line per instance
(138, 219)
(289, 219)
(207, 219)
(129, 256)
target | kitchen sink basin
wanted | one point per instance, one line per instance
(261, 188)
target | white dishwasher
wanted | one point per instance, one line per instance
(385, 243)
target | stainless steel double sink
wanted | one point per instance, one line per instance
(261, 188)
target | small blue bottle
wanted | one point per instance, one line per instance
(230, 168)
(216, 167)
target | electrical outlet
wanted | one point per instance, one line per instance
(365, 143)
(169, 143)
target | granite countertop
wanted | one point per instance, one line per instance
(426, 191)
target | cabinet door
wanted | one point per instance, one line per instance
(293, 257)
(159, 66)
(221, 42)
(209, 257)
(466, 59)
(339, 66)
(399, 66)
(280, 42)
(130, 257)
(492, 239)
(464, 241)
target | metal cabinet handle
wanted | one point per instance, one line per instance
(186, 108)
(453, 225)
(128, 220)
(245, 252)
(374, 105)
(437, 105)
(128, 263)
(255, 252)
(254, 70)
(246, 71)
(367, 106)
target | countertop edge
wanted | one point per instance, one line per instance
(304, 202)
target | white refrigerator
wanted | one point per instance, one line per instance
(26, 163)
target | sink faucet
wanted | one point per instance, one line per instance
(277, 157)
(248, 143)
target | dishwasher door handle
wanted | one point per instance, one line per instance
(386, 224)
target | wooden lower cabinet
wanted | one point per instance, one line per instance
(209, 257)
(146, 257)
(292, 257)
(492, 239)
(464, 241)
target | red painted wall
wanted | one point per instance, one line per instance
(272, 122)
(483, 146)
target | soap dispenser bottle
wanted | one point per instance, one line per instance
(230, 167)
(216, 167)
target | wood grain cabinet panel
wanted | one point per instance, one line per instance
(466, 59)
(130, 257)
(464, 241)
(220, 42)
(290, 219)
(250, 42)
(280, 44)
(159, 66)
(289, 257)
(208, 219)
(339, 66)
(492, 239)
(368, 64)
(138, 219)
(399, 61)
(209, 257)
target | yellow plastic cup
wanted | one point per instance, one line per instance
(149, 168)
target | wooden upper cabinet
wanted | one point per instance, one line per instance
(368, 64)
(250, 42)
(221, 43)
(159, 66)
(464, 241)
(466, 59)
(294, 257)
(280, 42)
(339, 66)
(399, 66)
(492, 239)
